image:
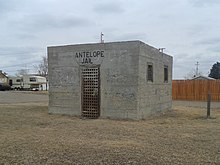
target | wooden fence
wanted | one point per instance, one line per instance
(195, 90)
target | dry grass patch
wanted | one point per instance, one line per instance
(29, 135)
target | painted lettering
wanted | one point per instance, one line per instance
(87, 54)
(94, 54)
(77, 56)
(98, 53)
(102, 53)
(80, 55)
(87, 57)
(86, 61)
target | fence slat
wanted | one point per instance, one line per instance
(195, 90)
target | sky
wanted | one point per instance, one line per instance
(189, 30)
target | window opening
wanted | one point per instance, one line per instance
(33, 79)
(150, 72)
(165, 74)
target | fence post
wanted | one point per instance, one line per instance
(208, 105)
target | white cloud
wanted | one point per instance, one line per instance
(108, 8)
(188, 29)
(204, 3)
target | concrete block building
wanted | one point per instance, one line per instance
(120, 80)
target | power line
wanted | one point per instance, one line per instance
(12, 54)
(15, 70)
(11, 66)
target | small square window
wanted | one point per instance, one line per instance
(150, 72)
(33, 79)
(166, 74)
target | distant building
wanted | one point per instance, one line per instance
(122, 80)
(4, 81)
(3, 78)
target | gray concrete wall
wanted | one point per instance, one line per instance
(64, 82)
(157, 95)
(118, 76)
(125, 94)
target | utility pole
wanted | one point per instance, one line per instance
(102, 41)
(197, 68)
(208, 105)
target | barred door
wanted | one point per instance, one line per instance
(90, 92)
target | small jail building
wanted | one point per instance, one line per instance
(119, 80)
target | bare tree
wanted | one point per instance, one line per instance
(42, 68)
(22, 72)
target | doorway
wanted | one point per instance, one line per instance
(91, 92)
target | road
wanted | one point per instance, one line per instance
(39, 97)
(23, 97)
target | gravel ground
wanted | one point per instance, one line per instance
(199, 104)
(24, 97)
(29, 135)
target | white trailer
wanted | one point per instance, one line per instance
(27, 82)
(15, 82)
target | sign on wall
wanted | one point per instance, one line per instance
(89, 57)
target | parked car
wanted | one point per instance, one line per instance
(4, 87)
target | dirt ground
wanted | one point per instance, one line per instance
(24, 97)
(29, 135)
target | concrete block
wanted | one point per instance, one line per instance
(123, 91)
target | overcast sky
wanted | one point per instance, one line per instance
(188, 29)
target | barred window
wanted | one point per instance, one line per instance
(150, 72)
(166, 74)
